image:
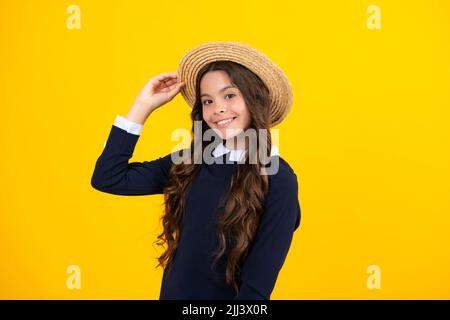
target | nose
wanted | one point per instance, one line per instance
(220, 109)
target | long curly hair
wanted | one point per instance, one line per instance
(243, 203)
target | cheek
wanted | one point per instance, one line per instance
(206, 114)
(246, 120)
(244, 114)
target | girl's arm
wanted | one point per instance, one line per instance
(281, 218)
(112, 173)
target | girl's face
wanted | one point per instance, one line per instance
(223, 105)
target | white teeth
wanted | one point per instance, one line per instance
(224, 121)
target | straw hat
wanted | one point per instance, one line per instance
(280, 90)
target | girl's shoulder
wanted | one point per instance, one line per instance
(279, 168)
(282, 202)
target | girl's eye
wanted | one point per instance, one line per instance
(230, 94)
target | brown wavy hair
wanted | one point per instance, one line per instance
(243, 203)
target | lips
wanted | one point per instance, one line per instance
(224, 122)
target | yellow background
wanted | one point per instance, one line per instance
(368, 137)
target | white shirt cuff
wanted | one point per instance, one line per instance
(127, 125)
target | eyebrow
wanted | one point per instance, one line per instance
(223, 89)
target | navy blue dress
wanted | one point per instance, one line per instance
(192, 275)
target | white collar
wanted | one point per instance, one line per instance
(237, 154)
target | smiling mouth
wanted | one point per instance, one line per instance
(225, 122)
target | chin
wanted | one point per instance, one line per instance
(228, 133)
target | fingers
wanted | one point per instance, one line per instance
(170, 82)
(162, 79)
(166, 76)
(177, 86)
(174, 83)
(174, 89)
(167, 80)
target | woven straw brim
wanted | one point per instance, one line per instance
(280, 89)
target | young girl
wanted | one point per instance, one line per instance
(228, 225)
